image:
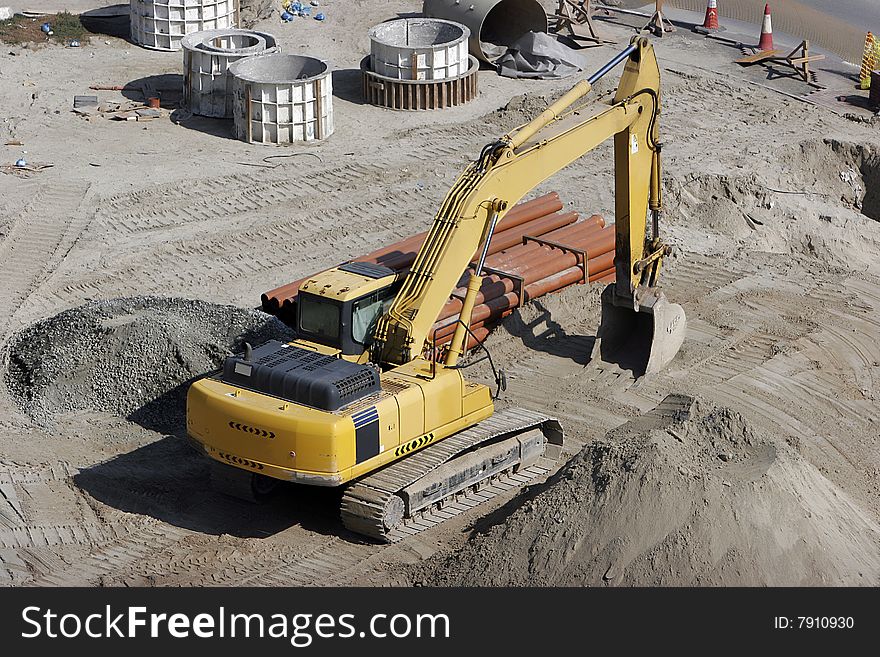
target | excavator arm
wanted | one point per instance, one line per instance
(507, 170)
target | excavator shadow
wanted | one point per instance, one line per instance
(544, 334)
(169, 481)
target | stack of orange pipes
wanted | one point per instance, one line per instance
(536, 250)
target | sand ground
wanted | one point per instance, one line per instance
(772, 204)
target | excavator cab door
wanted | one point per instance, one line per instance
(642, 341)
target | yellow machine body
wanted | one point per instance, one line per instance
(420, 403)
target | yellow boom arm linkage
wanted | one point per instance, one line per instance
(507, 170)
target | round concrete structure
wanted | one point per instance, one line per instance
(207, 85)
(494, 24)
(162, 24)
(419, 94)
(280, 99)
(419, 49)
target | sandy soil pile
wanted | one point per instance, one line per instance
(121, 355)
(680, 497)
(253, 11)
(825, 206)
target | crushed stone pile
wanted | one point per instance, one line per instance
(685, 495)
(123, 355)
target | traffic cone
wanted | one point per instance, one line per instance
(868, 62)
(766, 42)
(711, 22)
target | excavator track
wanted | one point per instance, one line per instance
(508, 450)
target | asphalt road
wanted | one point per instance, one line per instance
(864, 14)
(859, 13)
(839, 26)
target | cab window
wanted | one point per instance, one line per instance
(319, 317)
(365, 312)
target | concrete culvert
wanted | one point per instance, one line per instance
(120, 356)
(281, 69)
(281, 99)
(162, 24)
(494, 24)
(419, 49)
(207, 56)
(237, 41)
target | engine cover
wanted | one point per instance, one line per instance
(301, 376)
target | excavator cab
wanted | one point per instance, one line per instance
(339, 308)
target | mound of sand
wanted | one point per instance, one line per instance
(846, 172)
(684, 495)
(120, 355)
(521, 109)
(825, 206)
(253, 11)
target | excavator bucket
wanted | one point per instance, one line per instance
(643, 341)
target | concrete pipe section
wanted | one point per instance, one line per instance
(207, 56)
(494, 24)
(162, 24)
(419, 49)
(281, 99)
(419, 64)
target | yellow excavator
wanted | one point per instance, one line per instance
(359, 399)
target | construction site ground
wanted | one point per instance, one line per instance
(772, 205)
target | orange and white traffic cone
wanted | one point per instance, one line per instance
(711, 22)
(766, 42)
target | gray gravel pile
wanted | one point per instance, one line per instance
(131, 357)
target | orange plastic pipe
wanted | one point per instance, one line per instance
(536, 227)
(404, 256)
(540, 263)
(401, 254)
(564, 235)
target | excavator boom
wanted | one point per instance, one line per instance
(508, 169)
